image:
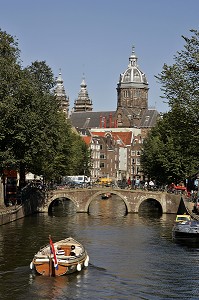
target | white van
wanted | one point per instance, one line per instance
(79, 179)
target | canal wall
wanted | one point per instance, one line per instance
(1, 193)
(31, 200)
(10, 214)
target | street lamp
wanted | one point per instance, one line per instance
(133, 180)
(198, 183)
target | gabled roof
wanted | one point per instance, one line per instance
(124, 138)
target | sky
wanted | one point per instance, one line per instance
(94, 39)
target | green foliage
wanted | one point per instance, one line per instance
(81, 156)
(42, 76)
(34, 134)
(171, 151)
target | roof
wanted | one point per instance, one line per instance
(89, 119)
(101, 119)
(124, 137)
(149, 118)
(87, 139)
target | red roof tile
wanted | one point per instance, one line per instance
(87, 139)
(125, 137)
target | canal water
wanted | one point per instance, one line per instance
(131, 256)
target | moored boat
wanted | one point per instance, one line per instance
(186, 230)
(106, 195)
(60, 258)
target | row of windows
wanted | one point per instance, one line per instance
(135, 93)
(135, 153)
(119, 142)
(95, 147)
(103, 156)
(135, 168)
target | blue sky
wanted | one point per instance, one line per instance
(95, 38)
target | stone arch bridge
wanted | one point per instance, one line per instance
(132, 199)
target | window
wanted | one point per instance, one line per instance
(126, 94)
(138, 161)
(127, 76)
(102, 165)
(102, 156)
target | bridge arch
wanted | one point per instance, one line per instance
(149, 203)
(57, 196)
(113, 192)
(148, 199)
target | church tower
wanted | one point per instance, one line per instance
(61, 95)
(132, 93)
(83, 102)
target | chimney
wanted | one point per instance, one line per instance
(104, 122)
(100, 121)
(110, 120)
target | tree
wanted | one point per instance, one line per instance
(174, 141)
(34, 134)
(80, 159)
(10, 71)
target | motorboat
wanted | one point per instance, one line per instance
(60, 258)
(186, 230)
(106, 195)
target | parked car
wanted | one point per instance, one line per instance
(73, 184)
(105, 181)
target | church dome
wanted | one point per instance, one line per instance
(133, 74)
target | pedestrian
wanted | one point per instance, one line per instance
(145, 185)
(129, 182)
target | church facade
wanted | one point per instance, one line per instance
(131, 118)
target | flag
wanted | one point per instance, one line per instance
(54, 254)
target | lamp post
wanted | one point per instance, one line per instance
(198, 184)
(133, 180)
(84, 173)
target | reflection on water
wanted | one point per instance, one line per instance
(132, 256)
(113, 207)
